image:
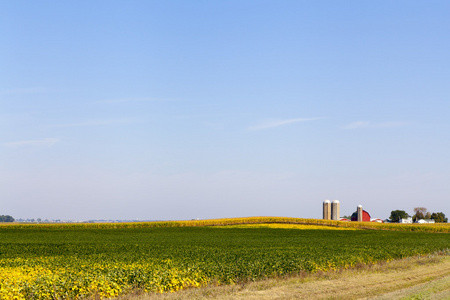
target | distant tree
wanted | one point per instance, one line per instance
(419, 213)
(6, 219)
(397, 215)
(347, 217)
(439, 217)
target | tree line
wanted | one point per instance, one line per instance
(6, 218)
(420, 213)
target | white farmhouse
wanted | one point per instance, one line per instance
(406, 221)
(426, 221)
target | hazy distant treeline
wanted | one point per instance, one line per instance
(6, 218)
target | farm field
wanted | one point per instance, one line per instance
(424, 277)
(107, 260)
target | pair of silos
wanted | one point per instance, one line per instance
(331, 210)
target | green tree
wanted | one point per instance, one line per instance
(6, 219)
(397, 215)
(439, 217)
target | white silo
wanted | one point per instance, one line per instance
(327, 210)
(335, 210)
(359, 211)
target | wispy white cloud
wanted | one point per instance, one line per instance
(278, 123)
(41, 142)
(107, 122)
(34, 90)
(392, 124)
(365, 124)
(129, 100)
(358, 124)
(213, 125)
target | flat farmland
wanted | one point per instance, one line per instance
(45, 262)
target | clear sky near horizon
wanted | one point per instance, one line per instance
(205, 109)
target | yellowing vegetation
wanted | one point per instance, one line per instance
(75, 261)
(438, 227)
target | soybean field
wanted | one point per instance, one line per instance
(70, 262)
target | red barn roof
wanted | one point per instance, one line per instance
(365, 217)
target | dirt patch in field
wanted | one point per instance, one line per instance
(411, 278)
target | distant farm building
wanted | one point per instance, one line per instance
(331, 210)
(406, 221)
(327, 210)
(425, 221)
(364, 216)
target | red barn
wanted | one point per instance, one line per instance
(365, 216)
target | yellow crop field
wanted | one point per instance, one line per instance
(437, 227)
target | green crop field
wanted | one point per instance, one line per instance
(44, 262)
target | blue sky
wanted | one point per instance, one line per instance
(206, 109)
